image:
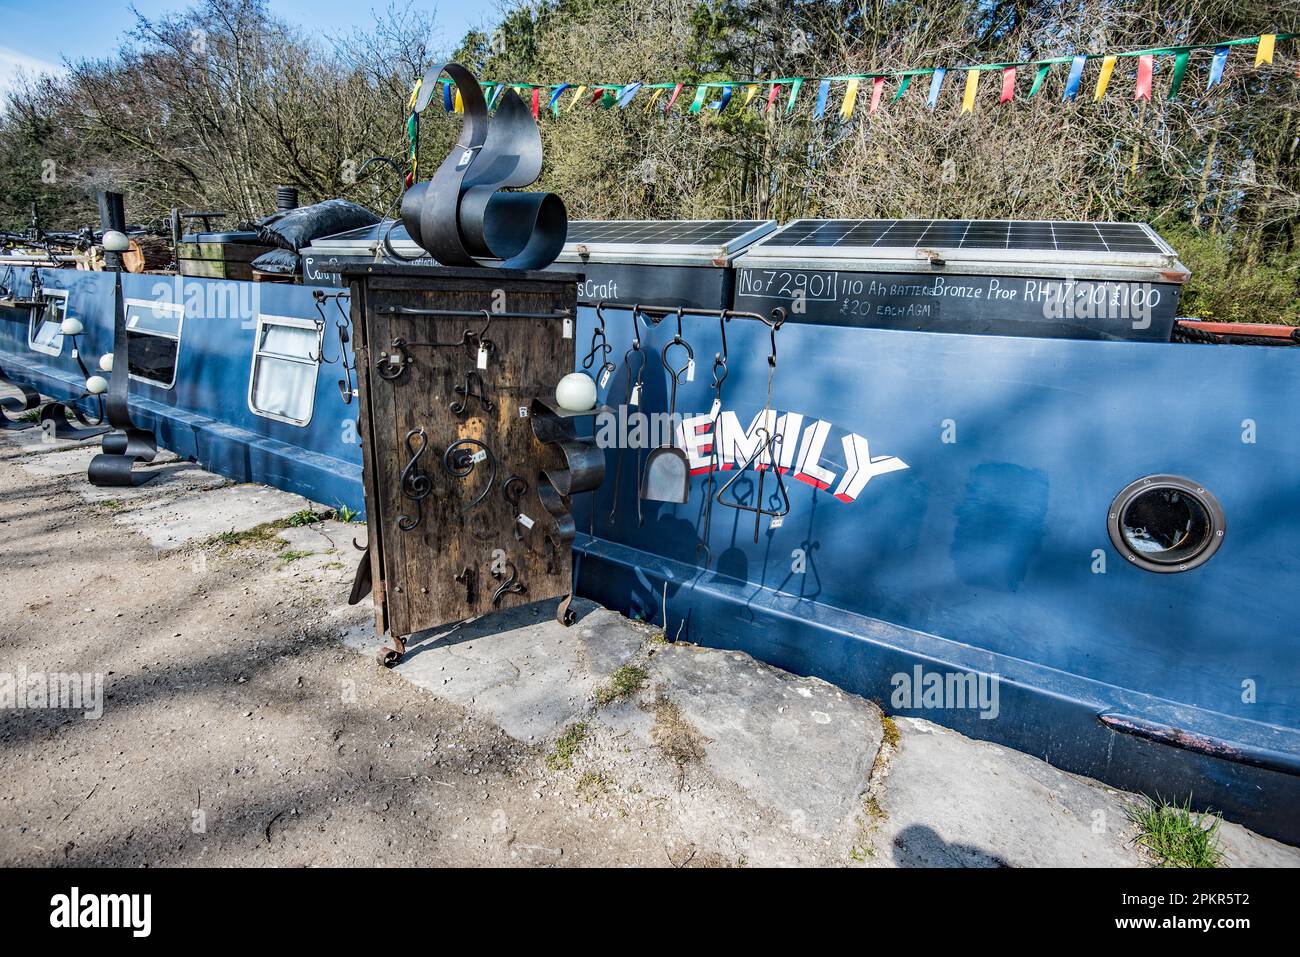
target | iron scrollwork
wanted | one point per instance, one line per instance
(416, 485)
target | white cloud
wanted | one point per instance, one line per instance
(12, 62)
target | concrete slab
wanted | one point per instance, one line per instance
(799, 746)
(520, 667)
(59, 464)
(174, 522)
(173, 478)
(322, 551)
(35, 441)
(950, 801)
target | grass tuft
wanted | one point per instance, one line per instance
(622, 683)
(565, 748)
(1176, 835)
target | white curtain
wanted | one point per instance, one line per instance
(280, 386)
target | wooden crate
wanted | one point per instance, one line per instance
(218, 260)
(432, 559)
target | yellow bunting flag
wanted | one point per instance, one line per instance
(1103, 79)
(749, 94)
(651, 104)
(577, 95)
(972, 84)
(415, 93)
(460, 104)
(1264, 53)
(850, 100)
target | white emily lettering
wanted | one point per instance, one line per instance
(799, 451)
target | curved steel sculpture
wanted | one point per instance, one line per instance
(459, 216)
(127, 443)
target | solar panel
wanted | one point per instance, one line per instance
(1057, 236)
(723, 234)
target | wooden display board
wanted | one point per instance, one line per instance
(467, 468)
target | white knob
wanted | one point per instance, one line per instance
(116, 242)
(96, 385)
(71, 326)
(576, 392)
(106, 362)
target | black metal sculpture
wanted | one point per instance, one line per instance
(459, 216)
(127, 443)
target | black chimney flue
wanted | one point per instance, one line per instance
(286, 198)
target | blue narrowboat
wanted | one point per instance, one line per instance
(922, 455)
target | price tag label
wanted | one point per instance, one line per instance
(777, 521)
(604, 377)
(478, 456)
(525, 521)
(636, 395)
(523, 412)
(690, 371)
(482, 356)
(568, 328)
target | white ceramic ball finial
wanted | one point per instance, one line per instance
(106, 362)
(71, 326)
(576, 393)
(96, 385)
(115, 241)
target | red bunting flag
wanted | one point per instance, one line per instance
(772, 94)
(537, 102)
(1008, 85)
(877, 87)
(1146, 63)
(677, 91)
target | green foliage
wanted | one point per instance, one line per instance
(561, 757)
(1227, 286)
(1177, 836)
(623, 682)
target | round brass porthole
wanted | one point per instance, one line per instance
(1165, 523)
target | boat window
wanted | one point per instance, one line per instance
(282, 384)
(1164, 523)
(153, 333)
(43, 333)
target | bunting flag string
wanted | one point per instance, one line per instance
(620, 95)
(1103, 78)
(1180, 69)
(1075, 78)
(1008, 85)
(823, 91)
(850, 100)
(1039, 77)
(877, 88)
(972, 87)
(936, 84)
(1146, 67)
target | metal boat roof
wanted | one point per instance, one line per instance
(1102, 250)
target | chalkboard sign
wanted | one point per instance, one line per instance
(1051, 307)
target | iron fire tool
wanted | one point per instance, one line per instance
(770, 445)
(632, 397)
(346, 388)
(600, 343)
(720, 373)
(667, 476)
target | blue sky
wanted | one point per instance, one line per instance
(37, 35)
